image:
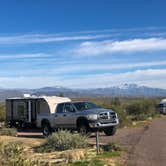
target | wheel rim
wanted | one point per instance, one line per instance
(46, 131)
(83, 130)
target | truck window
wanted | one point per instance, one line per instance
(60, 108)
(69, 107)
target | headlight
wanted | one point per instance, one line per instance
(92, 117)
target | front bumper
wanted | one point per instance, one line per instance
(103, 124)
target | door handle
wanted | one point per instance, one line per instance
(64, 114)
(56, 115)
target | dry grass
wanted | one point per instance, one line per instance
(30, 142)
(45, 158)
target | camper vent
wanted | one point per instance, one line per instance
(27, 95)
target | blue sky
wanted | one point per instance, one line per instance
(82, 44)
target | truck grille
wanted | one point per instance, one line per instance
(104, 115)
(108, 116)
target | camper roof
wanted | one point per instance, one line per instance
(51, 100)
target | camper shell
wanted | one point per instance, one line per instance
(26, 111)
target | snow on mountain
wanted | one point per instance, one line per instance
(124, 90)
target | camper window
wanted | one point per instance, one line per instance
(21, 111)
(38, 106)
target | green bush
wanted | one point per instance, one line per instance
(141, 110)
(63, 140)
(122, 115)
(2, 113)
(8, 131)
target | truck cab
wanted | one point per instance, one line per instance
(85, 117)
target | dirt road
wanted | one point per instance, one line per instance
(150, 150)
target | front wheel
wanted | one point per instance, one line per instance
(110, 131)
(46, 130)
(84, 130)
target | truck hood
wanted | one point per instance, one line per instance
(98, 110)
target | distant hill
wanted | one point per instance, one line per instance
(126, 90)
(129, 90)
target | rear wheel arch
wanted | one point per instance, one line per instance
(45, 121)
(46, 127)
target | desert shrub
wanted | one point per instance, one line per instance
(141, 110)
(8, 131)
(63, 140)
(112, 146)
(2, 112)
(11, 154)
(122, 115)
(74, 155)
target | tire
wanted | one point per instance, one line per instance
(46, 130)
(110, 131)
(84, 130)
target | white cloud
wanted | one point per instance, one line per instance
(23, 56)
(77, 68)
(47, 38)
(109, 46)
(107, 66)
(31, 38)
(150, 77)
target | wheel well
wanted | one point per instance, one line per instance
(82, 120)
(45, 121)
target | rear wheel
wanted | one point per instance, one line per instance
(46, 130)
(110, 131)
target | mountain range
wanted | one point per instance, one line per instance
(125, 90)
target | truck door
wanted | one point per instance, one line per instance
(59, 114)
(65, 116)
(70, 115)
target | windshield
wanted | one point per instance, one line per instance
(80, 106)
